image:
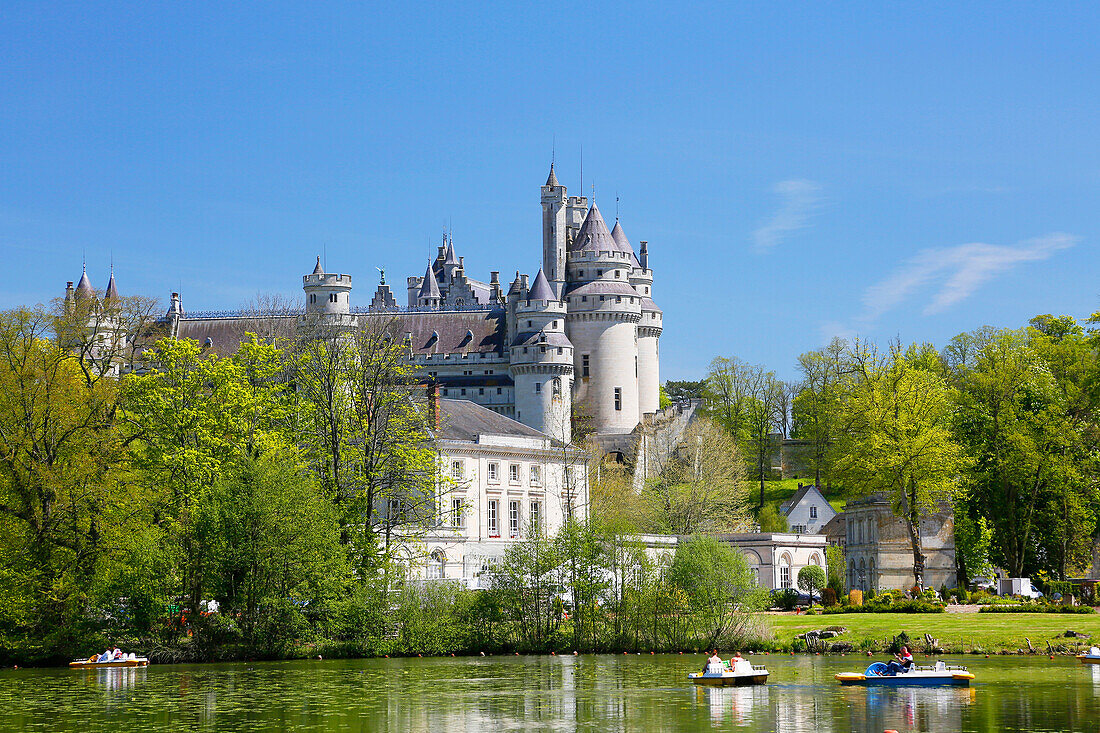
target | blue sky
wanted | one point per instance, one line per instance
(800, 170)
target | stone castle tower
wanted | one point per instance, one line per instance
(579, 340)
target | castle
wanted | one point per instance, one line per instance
(577, 342)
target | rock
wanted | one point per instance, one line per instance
(841, 647)
(837, 629)
(827, 634)
(1075, 635)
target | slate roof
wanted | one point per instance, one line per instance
(449, 257)
(541, 338)
(458, 332)
(429, 288)
(552, 180)
(541, 290)
(603, 287)
(463, 420)
(595, 236)
(487, 328)
(797, 497)
(112, 289)
(649, 305)
(836, 529)
(84, 287)
(620, 236)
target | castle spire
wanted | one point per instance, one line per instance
(430, 288)
(552, 179)
(541, 290)
(84, 287)
(112, 289)
(318, 270)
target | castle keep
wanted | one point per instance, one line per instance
(577, 340)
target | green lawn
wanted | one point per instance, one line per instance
(957, 632)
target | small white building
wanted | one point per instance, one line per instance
(775, 557)
(502, 480)
(807, 511)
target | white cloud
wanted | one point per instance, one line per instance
(940, 278)
(799, 198)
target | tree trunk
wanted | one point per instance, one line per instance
(912, 522)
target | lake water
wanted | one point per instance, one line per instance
(597, 693)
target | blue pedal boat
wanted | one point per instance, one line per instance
(936, 674)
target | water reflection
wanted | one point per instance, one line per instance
(540, 693)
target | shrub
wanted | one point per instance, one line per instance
(785, 598)
(1035, 608)
(855, 598)
(907, 606)
(828, 597)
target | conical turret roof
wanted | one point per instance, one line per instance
(84, 287)
(112, 289)
(552, 179)
(594, 235)
(620, 238)
(318, 270)
(430, 288)
(541, 290)
(449, 257)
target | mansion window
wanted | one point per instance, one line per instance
(799, 529)
(618, 398)
(813, 512)
(456, 469)
(394, 509)
(513, 519)
(513, 473)
(785, 576)
(535, 475)
(536, 515)
(494, 471)
(458, 513)
(494, 518)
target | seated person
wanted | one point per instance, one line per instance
(900, 663)
(714, 664)
(117, 654)
(105, 656)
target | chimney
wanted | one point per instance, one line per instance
(643, 257)
(433, 398)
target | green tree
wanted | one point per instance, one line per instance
(63, 465)
(718, 586)
(811, 579)
(269, 538)
(702, 487)
(816, 405)
(897, 437)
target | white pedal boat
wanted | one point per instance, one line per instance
(1093, 657)
(939, 673)
(742, 673)
(128, 661)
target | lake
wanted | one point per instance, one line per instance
(595, 692)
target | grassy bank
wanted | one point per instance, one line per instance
(957, 632)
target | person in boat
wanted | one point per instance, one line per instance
(117, 654)
(732, 663)
(901, 662)
(714, 662)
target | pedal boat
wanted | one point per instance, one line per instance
(743, 673)
(937, 674)
(125, 662)
(1093, 657)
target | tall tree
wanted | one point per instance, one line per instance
(896, 437)
(702, 488)
(816, 404)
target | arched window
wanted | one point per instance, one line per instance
(437, 565)
(815, 559)
(785, 570)
(862, 575)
